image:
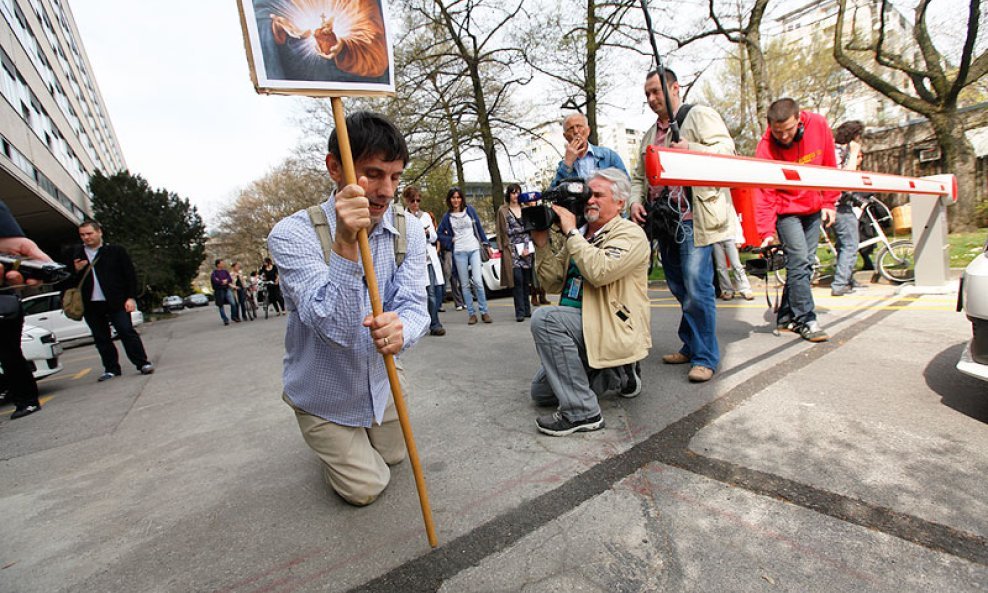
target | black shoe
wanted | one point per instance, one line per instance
(439, 331)
(106, 377)
(147, 369)
(633, 380)
(812, 332)
(558, 426)
(226, 323)
(22, 411)
(519, 318)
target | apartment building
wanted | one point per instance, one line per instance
(54, 127)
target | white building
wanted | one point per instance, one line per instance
(54, 127)
(815, 23)
(546, 150)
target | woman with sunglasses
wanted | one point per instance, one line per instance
(412, 198)
(461, 233)
(516, 248)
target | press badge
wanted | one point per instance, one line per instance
(574, 289)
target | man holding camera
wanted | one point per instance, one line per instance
(583, 159)
(794, 216)
(687, 222)
(592, 341)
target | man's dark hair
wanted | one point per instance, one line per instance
(371, 135)
(216, 263)
(781, 110)
(90, 222)
(267, 260)
(670, 76)
(449, 199)
(507, 192)
(848, 131)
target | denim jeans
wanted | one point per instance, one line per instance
(690, 276)
(799, 236)
(522, 288)
(224, 296)
(846, 229)
(473, 278)
(435, 295)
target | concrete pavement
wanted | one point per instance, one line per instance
(857, 465)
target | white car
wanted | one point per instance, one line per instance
(490, 270)
(973, 300)
(45, 311)
(173, 303)
(41, 349)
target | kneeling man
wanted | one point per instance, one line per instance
(591, 343)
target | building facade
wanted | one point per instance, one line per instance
(54, 128)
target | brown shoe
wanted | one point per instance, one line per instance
(543, 300)
(727, 295)
(700, 374)
(472, 320)
(487, 318)
(535, 300)
(675, 358)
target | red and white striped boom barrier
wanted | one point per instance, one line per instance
(666, 166)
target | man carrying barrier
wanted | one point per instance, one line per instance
(592, 342)
(335, 384)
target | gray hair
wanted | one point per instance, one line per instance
(620, 184)
(575, 114)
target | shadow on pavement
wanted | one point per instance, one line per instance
(965, 394)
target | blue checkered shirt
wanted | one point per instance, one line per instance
(332, 369)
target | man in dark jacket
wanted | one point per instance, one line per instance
(22, 390)
(109, 295)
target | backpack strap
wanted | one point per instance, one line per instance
(321, 224)
(401, 240)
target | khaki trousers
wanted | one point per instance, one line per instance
(355, 460)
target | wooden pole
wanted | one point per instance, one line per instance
(350, 177)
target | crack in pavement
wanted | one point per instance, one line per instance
(671, 447)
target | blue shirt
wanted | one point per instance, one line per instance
(332, 369)
(596, 158)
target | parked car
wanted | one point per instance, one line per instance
(41, 349)
(45, 311)
(973, 300)
(490, 270)
(173, 303)
(196, 300)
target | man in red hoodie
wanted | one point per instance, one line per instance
(793, 216)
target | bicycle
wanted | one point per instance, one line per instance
(895, 261)
(264, 296)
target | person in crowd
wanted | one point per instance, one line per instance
(582, 159)
(109, 296)
(333, 380)
(412, 198)
(517, 250)
(240, 286)
(222, 283)
(592, 342)
(687, 222)
(793, 217)
(21, 388)
(847, 139)
(461, 233)
(270, 275)
(449, 273)
(727, 259)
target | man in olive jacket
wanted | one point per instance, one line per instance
(591, 343)
(694, 219)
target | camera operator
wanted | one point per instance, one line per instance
(592, 341)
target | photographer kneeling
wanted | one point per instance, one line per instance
(591, 343)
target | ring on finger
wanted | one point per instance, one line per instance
(387, 342)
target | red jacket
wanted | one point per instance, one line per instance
(815, 148)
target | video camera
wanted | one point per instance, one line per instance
(46, 272)
(572, 194)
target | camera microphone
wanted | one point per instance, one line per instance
(529, 196)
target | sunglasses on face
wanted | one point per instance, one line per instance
(414, 200)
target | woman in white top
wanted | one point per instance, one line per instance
(461, 232)
(412, 198)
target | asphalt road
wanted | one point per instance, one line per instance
(855, 465)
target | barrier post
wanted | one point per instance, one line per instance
(932, 249)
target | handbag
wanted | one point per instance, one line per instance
(485, 254)
(72, 304)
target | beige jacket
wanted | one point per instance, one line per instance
(616, 309)
(714, 218)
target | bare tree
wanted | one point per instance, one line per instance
(578, 45)
(936, 84)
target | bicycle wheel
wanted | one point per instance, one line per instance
(897, 262)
